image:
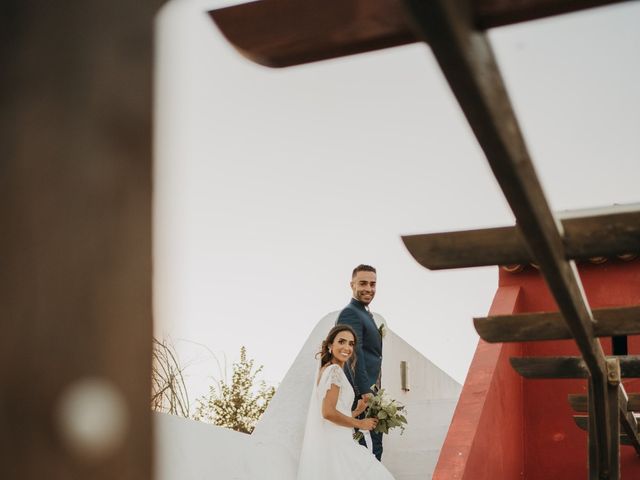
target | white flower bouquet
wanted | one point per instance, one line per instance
(389, 412)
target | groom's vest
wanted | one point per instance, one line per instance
(368, 347)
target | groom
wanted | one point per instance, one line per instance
(369, 341)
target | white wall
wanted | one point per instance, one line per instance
(430, 403)
(188, 450)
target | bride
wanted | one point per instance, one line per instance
(328, 447)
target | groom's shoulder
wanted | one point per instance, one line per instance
(348, 313)
(349, 308)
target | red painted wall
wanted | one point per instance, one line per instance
(485, 438)
(507, 427)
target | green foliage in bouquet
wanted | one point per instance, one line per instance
(389, 412)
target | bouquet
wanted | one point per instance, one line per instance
(389, 413)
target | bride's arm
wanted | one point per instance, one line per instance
(331, 413)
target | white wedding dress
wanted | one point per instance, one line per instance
(328, 450)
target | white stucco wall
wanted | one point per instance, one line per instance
(189, 450)
(430, 403)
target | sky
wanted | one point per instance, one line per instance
(271, 185)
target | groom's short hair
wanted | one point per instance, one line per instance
(362, 268)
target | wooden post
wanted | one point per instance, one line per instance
(613, 415)
(467, 61)
(592, 438)
(75, 247)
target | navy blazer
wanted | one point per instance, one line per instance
(368, 347)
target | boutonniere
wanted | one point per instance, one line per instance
(382, 330)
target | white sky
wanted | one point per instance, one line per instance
(271, 185)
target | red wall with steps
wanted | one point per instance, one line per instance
(506, 427)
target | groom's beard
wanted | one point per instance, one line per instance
(360, 299)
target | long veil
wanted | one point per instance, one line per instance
(278, 437)
(311, 461)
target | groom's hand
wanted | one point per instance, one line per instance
(367, 396)
(360, 407)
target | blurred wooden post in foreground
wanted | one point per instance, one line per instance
(75, 245)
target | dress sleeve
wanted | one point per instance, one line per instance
(331, 376)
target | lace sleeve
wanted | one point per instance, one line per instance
(331, 376)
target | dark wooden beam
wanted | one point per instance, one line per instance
(470, 248)
(550, 367)
(281, 33)
(578, 402)
(568, 367)
(604, 232)
(629, 434)
(628, 421)
(75, 249)
(629, 424)
(468, 63)
(530, 327)
(582, 422)
(495, 13)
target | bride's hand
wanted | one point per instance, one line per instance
(367, 423)
(360, 407)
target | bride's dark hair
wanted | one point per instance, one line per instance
(325, 355)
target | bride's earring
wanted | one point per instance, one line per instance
(329, 350)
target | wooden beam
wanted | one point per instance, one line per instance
(281, 33)
(550, 367)
(470, 248)
(75, 288)
(578, 402)
(467, 61)
(629, 434)
(604, 231)
(495, 13)
(582, 422)
(608, 232)
(568, 367)
(628, 421)
(529, 327)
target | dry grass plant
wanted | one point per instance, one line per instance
(168, 390)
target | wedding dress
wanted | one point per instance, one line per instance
(328, 449)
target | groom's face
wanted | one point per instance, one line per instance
(363, 286)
